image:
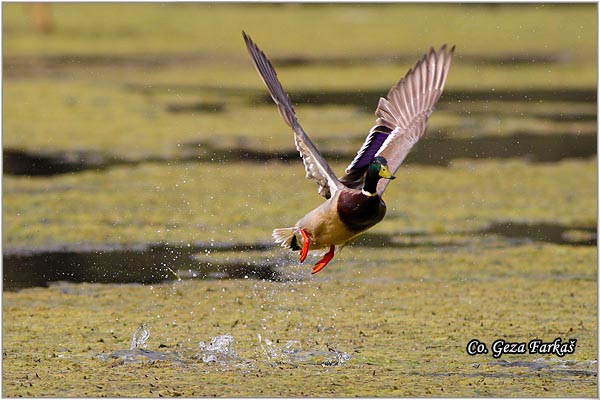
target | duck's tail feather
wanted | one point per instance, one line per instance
(290, 238)
(287, 238)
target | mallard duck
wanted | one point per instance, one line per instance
(353, 202)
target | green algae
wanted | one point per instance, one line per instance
(211, 202)
(182, 67)
(406, 332)
(173, 28)
(402, 302)
(403, 310)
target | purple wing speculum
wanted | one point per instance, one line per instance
(357, 168)
(377, 136)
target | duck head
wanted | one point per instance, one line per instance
(377, 169)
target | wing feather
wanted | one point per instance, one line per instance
(315, 165)
(402, 116)
(413, 100)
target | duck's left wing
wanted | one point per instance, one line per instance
(316, 166)
(402, 117)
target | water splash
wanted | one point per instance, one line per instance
(140, 337)
(292, 353)
(286, 354)
(219, 351)
(268, 348)
(138, 353)
(336, 357)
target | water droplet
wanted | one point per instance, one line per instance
(140, 336)
(219, 350)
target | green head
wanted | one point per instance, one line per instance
(377, 169)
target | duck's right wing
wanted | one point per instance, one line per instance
(402, 117)
(314, 163)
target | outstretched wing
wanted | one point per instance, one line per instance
(402, 117)
(314, 163)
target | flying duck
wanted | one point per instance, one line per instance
(353, 202)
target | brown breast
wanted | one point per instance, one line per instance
(358, 211)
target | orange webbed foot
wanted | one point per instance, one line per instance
(324, 261)
(305, 244)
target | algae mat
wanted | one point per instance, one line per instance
(392, 315)
(146, 124)
(394, 328)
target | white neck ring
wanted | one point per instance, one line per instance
(368, 193)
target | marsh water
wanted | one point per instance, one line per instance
(145, 168)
